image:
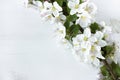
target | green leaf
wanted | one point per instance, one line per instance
(104, 71)
(60, 2)
(94, 27)
(67, 24)
(81, 1)
(108, 50)
(66, 10)
(72, 17)
(74, 30)
(116, 68)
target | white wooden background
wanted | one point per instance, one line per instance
(28, 50)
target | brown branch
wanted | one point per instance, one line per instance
(110, 70)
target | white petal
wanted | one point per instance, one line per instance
(47, 5)
(56, 13)
(99, 55)
(96, 62)
(102, 43)
(63, 17)
(39, 3)
(80, 37)
(77, 1)
(87, 32)
(99, 35)
(57, 6)
(73, 11)
(71, 4)
(98, 48)
(77, 21)
(92, 39)
(86, 45)
(83, 24)
(91, 8)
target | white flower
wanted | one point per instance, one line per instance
(60, 31)
(48, 17)
(45, 10)
(76, 43)
(66, 44)
(48, 10)
(61, 18)
(85, 36)
(39, 5)
(85, 47)
(115, 37)
(95, 53)
(56, 9)
(83, 51)
(90, 8)
(32, 4)
(88, 46)
(99, 39)
(84, 20)
(47, 5)
(107, 30)
(81, 37)
(74, 6)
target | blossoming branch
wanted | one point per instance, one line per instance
(76, 28)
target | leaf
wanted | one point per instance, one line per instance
(60, 2)
(108, 50)
(81, 1)
(67, 24)
(66, 10)
(104, 71)
(72, 17)
(94, 27)
(116, 68)
(74, 30)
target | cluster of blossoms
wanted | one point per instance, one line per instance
(76, 26)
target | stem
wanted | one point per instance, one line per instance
(110, 70)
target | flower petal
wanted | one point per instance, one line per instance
(87, 32)
(57, 6)
(71, 4)
(102, 43)
(72, 11)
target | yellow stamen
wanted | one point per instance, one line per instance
(85, 38)
(76, 6)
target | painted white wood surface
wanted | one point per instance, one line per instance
(27, 48)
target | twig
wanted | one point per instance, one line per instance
(110, 70)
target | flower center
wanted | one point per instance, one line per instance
(83, 49)
(61, 31)
(92, 57)
(85, 38)
(53, 8)
(97, 42)
(76, 44)
(83, 18)
(92, 48)
(87, 9)
(76, 6)
(41, 7)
